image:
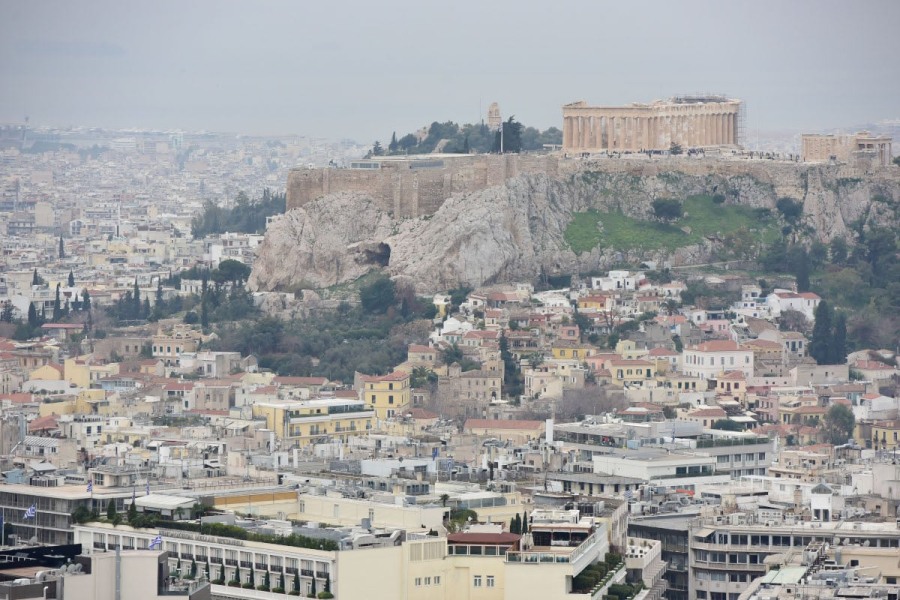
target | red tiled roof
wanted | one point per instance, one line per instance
(19, 398)
(395, 376)
(662, 352)
(502, 424)
(420, 348)
(708, 412)
(44, 423)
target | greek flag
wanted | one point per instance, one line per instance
(628, 495)
(148, 488)
(90, 486)
(132, 494)
(434, 453)
(500, 127)
(31, 512)
(157, 541)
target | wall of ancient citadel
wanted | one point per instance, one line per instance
(416, 187)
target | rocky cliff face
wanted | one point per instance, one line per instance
(517, 230)
(330, 241)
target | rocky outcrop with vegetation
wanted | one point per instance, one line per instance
(589, 218)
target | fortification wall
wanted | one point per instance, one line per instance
(416, 187)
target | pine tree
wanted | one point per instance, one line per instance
(839, 340)
(822, 335)
(71, 278)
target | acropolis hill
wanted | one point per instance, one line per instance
(442, 221)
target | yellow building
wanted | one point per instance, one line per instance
(301, 422)
(885, 435)
(82, 370)
(387, 394)
(572, 350)
(628, 350)
(46, 373)
(630, 372)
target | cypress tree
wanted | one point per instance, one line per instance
(132, 512)
(62, 248)
(281, 582)
(86, 301)
(56, 306)
(822, 335)
(136, 301)
(32, 315)
(839, 340)
(35, 279)
(111, 510)
(296, 584)
(71, 278)
(314, 590)
(524, 521)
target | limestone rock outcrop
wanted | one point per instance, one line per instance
(517, 231)
(330, 241)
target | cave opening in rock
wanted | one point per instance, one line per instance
(380, 255)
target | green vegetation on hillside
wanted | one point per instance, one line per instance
(244, 217)
(743, 226)
(474, 138)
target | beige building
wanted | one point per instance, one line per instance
(694, 121)
(842, 148)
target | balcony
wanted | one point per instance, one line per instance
(231, 562)
(721, 442)
(216, 560)
(578, 557)
(261, 566)
(275, 568)
(321, 575)
(246, 564)
(187, 555)
(306, 572)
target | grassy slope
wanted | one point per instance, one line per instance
(626, 233)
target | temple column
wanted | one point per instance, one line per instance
(611, 133)
(722, 127)
(711, 136)
(595, 131)
(580, 133)
(729, 133)
(567, 133)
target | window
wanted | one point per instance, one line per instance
(428, 581)
(476, 581)
(437, 580)
(337, 510)
(390, 399)
(762, 456)
(490, 581)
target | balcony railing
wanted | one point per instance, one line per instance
(216, 560)
(262, 566)
(321, 575)
(246, 563)
(291, 570)
(231, 562)
(306, 572)
(719, 442)
(275, 568)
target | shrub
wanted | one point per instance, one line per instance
(277, 590)
(325, 595)
(247, 586)
(234, 583)
(718, 198)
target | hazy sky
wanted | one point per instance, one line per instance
(363, 69)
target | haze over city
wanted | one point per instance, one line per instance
(364, 69)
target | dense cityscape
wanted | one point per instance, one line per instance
(639, 353)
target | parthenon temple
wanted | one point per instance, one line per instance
(691, 122)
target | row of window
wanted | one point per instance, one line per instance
(726, 458)
(488, 581)
(426, 581)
